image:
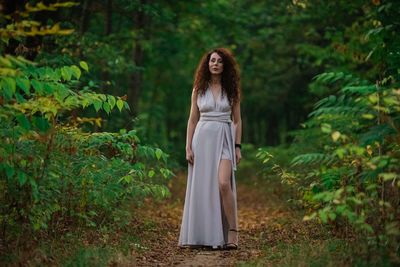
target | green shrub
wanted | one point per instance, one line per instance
(53, 174)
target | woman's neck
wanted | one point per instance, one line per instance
(215, 79)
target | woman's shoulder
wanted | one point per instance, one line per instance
(198, 91)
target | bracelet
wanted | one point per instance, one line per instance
(238, 145)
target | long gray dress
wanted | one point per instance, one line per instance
(204, 221)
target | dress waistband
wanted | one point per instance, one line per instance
(217, 116)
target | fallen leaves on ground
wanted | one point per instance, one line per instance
(263, 220)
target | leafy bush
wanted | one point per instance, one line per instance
(54, 175)
(347, 166)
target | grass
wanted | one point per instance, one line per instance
(330, 252)
(90, 256)
(91, 247)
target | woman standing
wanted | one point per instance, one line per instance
(213, 150)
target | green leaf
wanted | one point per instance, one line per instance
(367, 116)
(8, 85)
(111, 101)
(92, 212)
(20, 98)
(158, 153)
(151, 173)
(5, 40)
(367, 227)
(48, 88)
(120, 104)
(22, 163)
(49, 73)
(44, 225)
(323, 216)
(22, 178)
(62, 91)
(106, 107)
(102, 97)
(34, 189)
(150, 150)
(340, 152)
(165, 172)
(41, 123)
(10, 171)
(84, 65)
(164, 156)
(38, 86)
(97, 104)
(136, 138)
(126, 106)
(41, 72)
(76, 71)
(141, 151)
(66, 73)
(24, 122)
(56, 76)
(24, 84)
(326, 128)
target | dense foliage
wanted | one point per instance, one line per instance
(346, 161)
(56, 175)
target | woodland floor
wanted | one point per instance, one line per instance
(271, 233)
(266, 224)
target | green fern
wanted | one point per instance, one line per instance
(313, 158)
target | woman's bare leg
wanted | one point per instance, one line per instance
(228, 202)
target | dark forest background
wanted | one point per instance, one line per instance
(149, 50)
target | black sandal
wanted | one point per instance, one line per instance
(235, 246)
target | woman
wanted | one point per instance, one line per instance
(213, 150)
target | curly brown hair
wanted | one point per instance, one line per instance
(230, 78)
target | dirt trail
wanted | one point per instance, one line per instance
(258, 214)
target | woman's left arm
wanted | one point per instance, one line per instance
(237, 121)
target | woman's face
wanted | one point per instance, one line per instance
(215, 65)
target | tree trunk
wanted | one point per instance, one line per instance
(134, 90)
(272, 134)
(136, 80)
(85, 19)
(105, 75)
(108, 17)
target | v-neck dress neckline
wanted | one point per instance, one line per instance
(218, 96)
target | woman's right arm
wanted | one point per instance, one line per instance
(192, 122)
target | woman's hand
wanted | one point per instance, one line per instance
(238, 155)
(189, 155)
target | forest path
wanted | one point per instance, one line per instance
(259, 214)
